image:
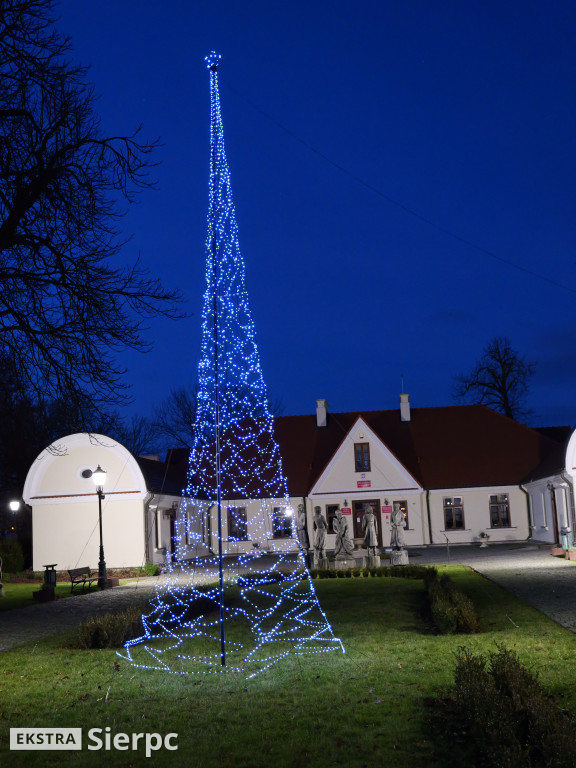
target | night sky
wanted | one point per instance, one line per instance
(404, 178)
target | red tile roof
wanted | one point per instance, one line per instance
(450, 447)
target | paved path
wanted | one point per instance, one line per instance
(36, 621)
(528, 571)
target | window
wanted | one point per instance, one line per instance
(499, 511)
(237, 524)
(157, 528)
(331, 510)
(453, 513)
(362, 457)
(281, 523)
(190, 521)
(401, 506)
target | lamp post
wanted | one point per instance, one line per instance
(14, 506)
(99, 477)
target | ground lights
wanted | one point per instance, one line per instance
(201, 622)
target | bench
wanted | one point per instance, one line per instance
(82, 576)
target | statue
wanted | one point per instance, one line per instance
(301, 528)
(369, 526)
(344, 546)
(397, 534)
(320, 526)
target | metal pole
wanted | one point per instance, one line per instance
(213, 88)
(102, 579)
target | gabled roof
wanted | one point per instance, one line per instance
(449, 447)
(553, 464)
(166, 477)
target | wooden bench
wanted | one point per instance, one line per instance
(82, 576)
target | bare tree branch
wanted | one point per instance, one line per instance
(65, 310)
(500, 380)
(174, 418)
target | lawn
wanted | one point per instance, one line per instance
(19, 594)
(368, 707)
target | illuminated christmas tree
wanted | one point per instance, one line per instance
(237, 507)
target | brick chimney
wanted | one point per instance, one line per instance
(405, 408)
(321, 413)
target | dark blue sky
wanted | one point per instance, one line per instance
(379, 152)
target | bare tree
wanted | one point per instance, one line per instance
(174, 418)
(65, 310)
(500, 380)
(137, 434)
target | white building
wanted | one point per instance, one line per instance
(551, 493)
(136, 521)
(455, 472)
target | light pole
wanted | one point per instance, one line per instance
(14, 506)
(99, 477)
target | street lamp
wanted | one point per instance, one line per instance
(14, 506)
(99, 477)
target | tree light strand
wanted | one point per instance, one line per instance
(268, 603)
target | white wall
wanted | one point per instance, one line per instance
(64, 504)
(414, 535)
(386, 472)
(542, 508)
(68, 534)
(477, 515)
(204, 528)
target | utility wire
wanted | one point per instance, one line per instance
(394, 202)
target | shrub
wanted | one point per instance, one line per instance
(111, 630)
(509, 717)
(266, 577)
(12, 556)
(151, 569)
(452, 611)
(428, 573)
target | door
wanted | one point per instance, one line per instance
(358, 509)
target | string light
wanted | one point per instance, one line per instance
(268, 604)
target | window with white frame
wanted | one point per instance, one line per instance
(237, 524)
(331, 510)
(190, 516)
(499, 511)
(453, 513)
(362, 457)
(281, 523)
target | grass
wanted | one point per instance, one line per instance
(19, 594)
(369, 707)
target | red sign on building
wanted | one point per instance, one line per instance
(346, 510)
(363, 483)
